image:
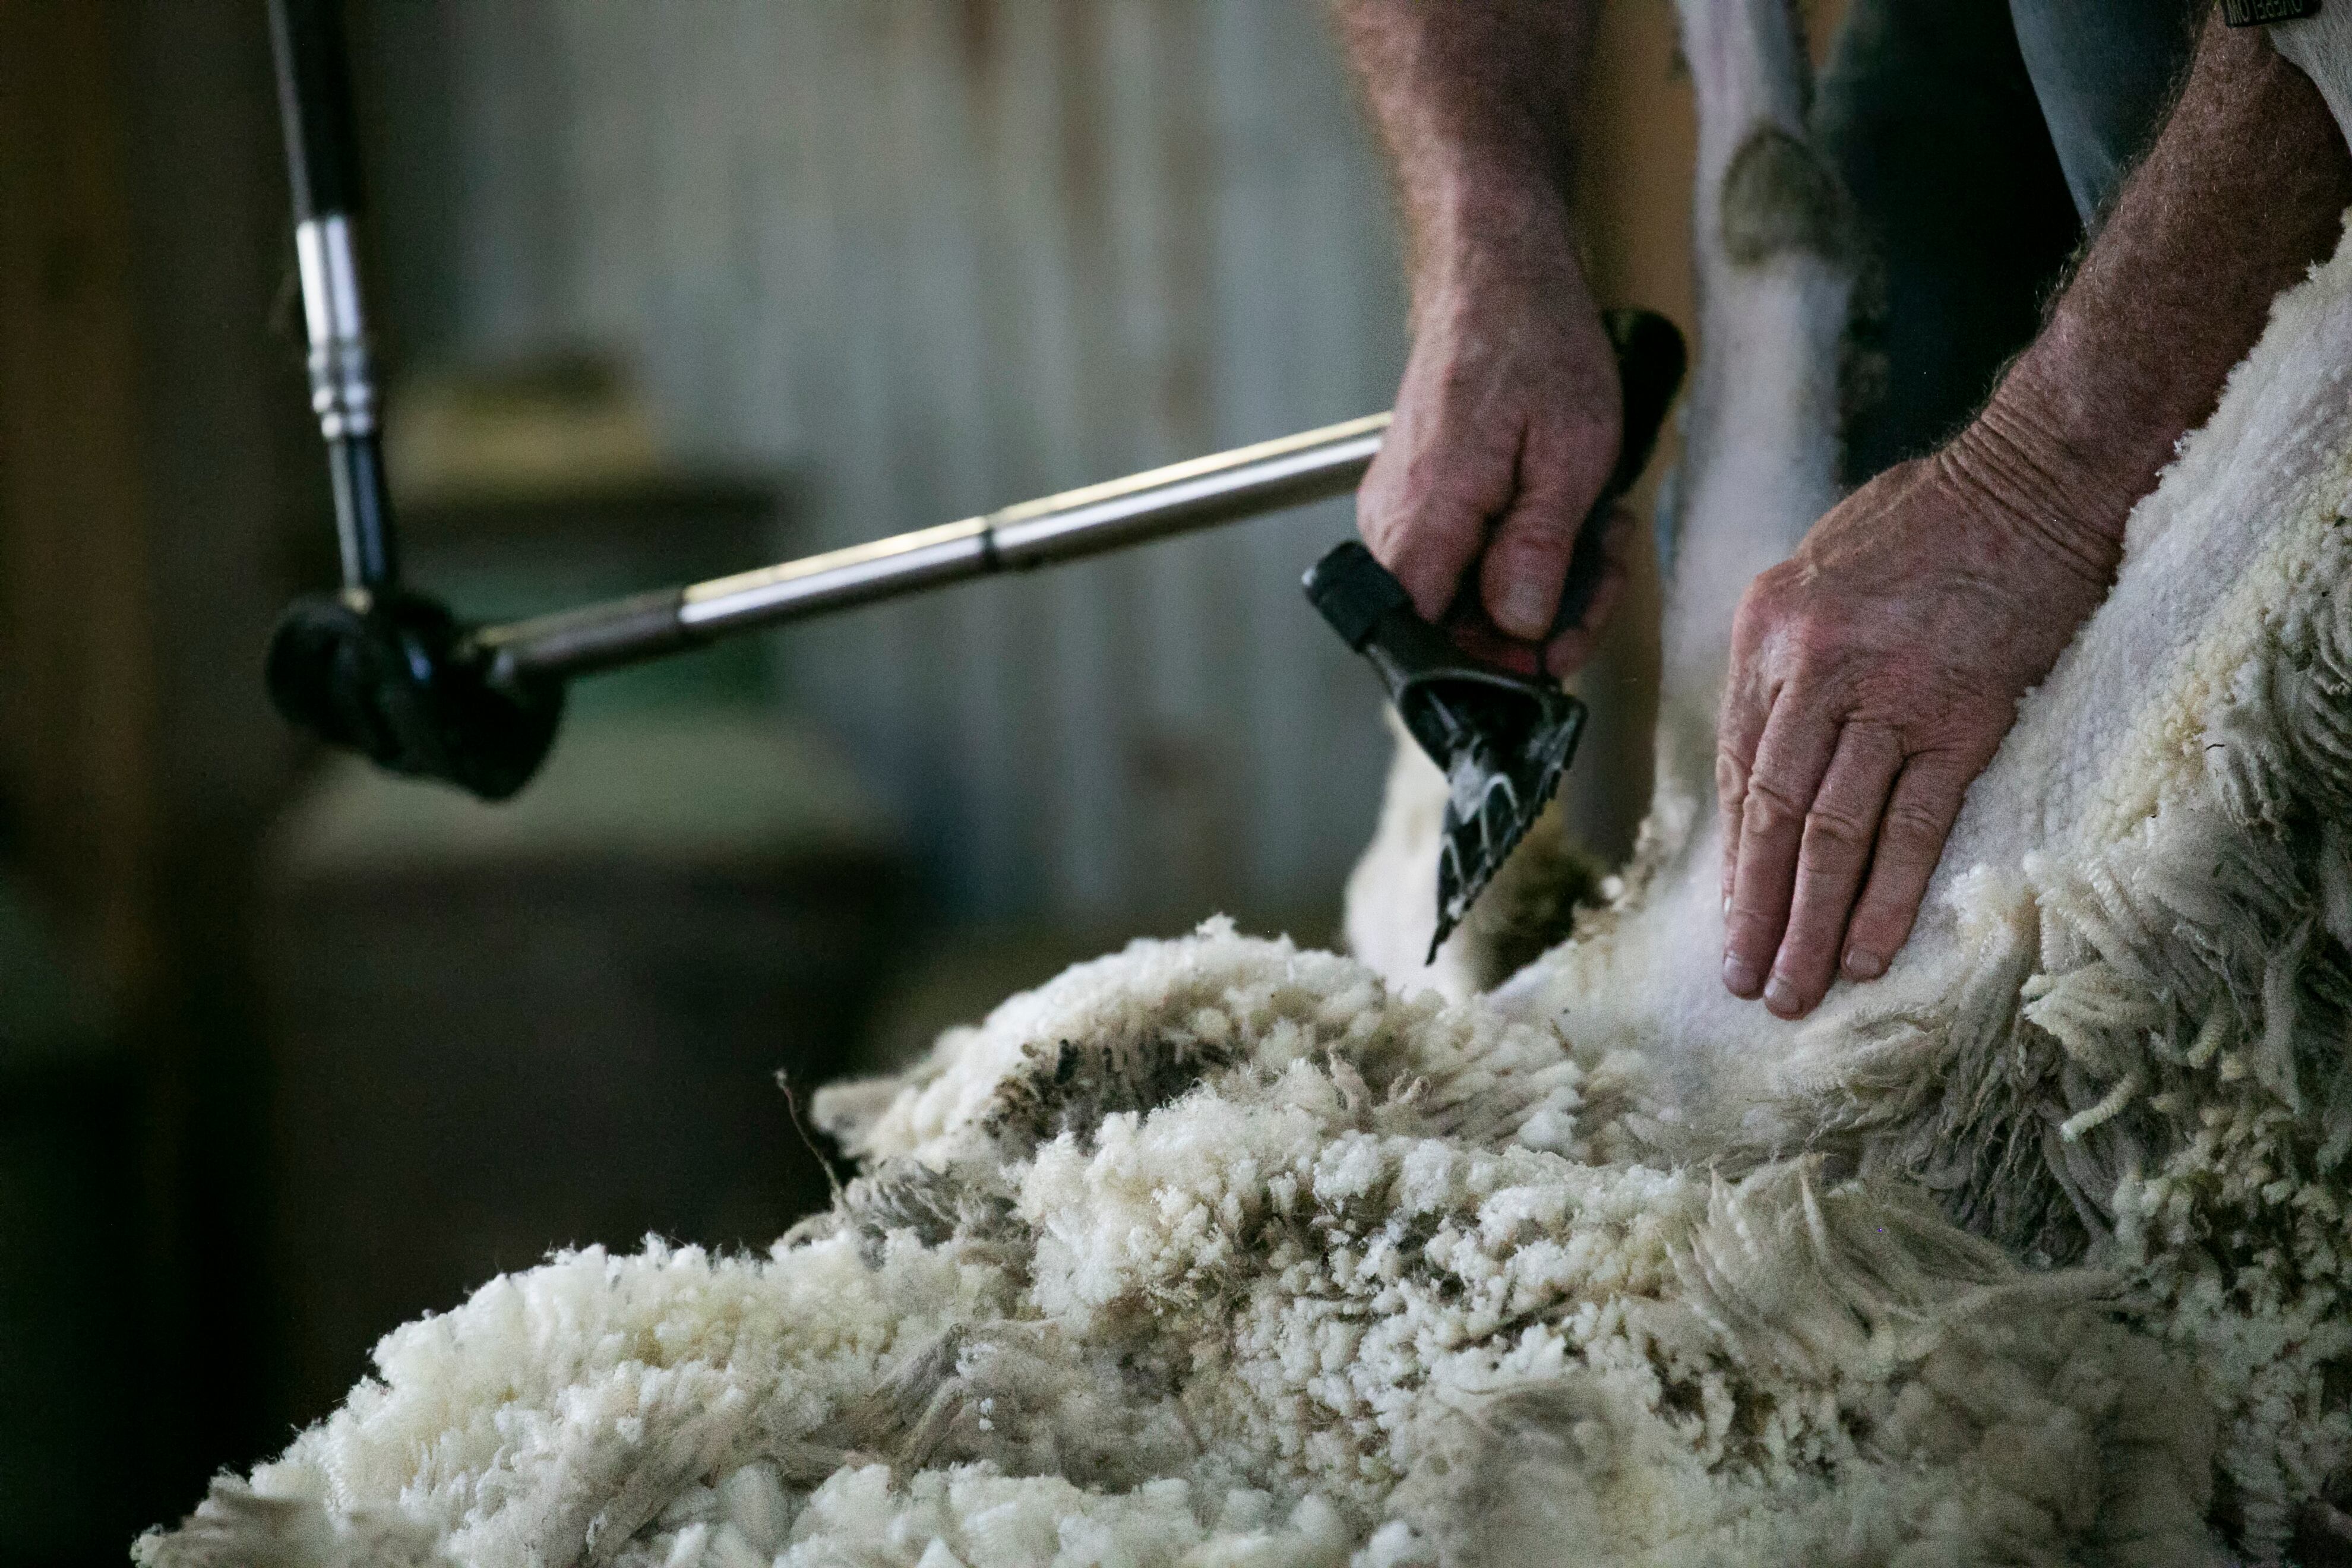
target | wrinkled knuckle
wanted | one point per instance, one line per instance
(1534, 519)
(1404, 540)
(1545, 532)
(1768, 809)
(1837, 828)
(1731, 778)
(1913, 825)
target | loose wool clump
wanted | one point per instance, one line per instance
(1218, 1252)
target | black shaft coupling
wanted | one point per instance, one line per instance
(394, 677)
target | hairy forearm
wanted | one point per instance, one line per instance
(2242, 191)
(1477, 102)
(1506, 422)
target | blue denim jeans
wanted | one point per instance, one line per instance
(2104, 72)
(1979, 139)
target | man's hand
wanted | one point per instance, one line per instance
(1507, 428)
(1874, 673)
(1507, 424)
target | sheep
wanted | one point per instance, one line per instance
(1221, 1251)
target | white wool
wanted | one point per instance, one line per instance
(1285, 1313)
(1218, 1252)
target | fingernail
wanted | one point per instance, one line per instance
(1781, 997)
(1726, 906)
(1738, 976)
(1521, 612)
(1861, 964)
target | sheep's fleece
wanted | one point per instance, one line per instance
(1220, 1252)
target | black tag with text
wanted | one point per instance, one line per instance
(2255, 12)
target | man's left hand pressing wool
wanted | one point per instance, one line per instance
(1874, 673)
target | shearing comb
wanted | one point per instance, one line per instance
(1502, 740)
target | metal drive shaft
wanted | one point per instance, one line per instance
(389, 672)
(314, 98)
(1202, 493)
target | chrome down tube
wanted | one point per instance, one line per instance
(1226, 486)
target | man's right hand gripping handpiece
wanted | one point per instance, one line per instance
(1507, 424)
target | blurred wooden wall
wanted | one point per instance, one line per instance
(154, 461)
(77, 654)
